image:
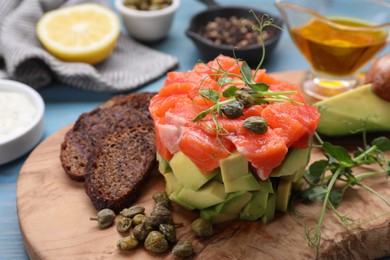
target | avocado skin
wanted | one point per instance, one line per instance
(346, 113)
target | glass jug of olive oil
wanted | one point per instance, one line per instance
(337, 38)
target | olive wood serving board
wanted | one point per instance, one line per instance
(54, 216)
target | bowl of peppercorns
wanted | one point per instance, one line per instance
(231, 31)
(147, 20)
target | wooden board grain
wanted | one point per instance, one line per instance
(54, 216)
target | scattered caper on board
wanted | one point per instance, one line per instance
(132, 211)
(127, 243)
(156, 242)
(161, 198)
(202, 228)
(105, 218)
(168, 231)
(123, 224)
(183, 248)
(137, 219)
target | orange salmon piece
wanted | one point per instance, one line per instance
(264, 151)
(203, 149)
(161, 149)
(296, 121)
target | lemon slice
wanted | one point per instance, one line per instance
(80, 33)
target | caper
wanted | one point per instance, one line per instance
(162, 199)
(244, 98)
(132, 211)
(232, 110)
(137, 219)
(160, 215)
(256, 124)
(141, 231)
(168, 231)
(127, 243)
(202, 228)
(105, 218)
(155, 242)
(123, 224)
(183, 248)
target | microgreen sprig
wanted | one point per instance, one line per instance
(259, 91)
(338, 167)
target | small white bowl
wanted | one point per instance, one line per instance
(147, 26)
(21, 140)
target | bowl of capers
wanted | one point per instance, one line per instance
(147, 20)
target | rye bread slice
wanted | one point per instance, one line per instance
(119, 167)
(90, 129)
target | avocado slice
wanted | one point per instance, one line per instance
(347, 112)
(210, 194)
(163, 165)
(256, 206)
(266, 186)
(233, 167)
(292, 163)
(215, 217)
(171, 183)
(234, 202)
(269, 214)
(244, 183)
(283, 195)
(173, 197)
(187, 173)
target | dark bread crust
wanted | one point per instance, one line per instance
(119, 167)
(115, 115)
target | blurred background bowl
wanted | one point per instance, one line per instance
(18, 142)
(251, 53)
(147, 26)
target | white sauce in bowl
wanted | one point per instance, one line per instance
(16, 112)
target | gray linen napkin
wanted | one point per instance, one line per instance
(23, 58)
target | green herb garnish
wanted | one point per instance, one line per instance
(338, 167)
(258, 93)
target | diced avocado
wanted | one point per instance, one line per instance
(293, 162)
(173, 197)
(266, 186)
(244, 183)
(234, 202)
(163, 165)
(255, 207)
(234, 166)
(283, 195)
(210, 194)
(187, 173)
(215, 217)
(269, 214)
(298, 175)
(171, 183)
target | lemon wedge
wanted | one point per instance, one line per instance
(81, 33)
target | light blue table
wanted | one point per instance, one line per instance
(65, 103)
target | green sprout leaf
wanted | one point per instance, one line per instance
(229, 92)
(246, 72)
(209, 94)
(339, 153)
(259, 87)
(383, 143)
(316, 171)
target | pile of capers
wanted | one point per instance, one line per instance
(235, 109)
(147, 5)
(157, 231)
